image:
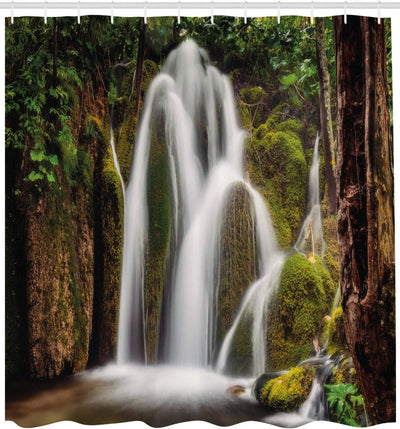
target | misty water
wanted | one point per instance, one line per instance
(191, 381)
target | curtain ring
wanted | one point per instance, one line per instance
(379, 12)
(45, 12)
(345, 12)
(245, 12)
(145, 12)
(279, 11)
(312, 12)
(112, 12)
(79, 12)
(179, 11)
(12, 12)
(212, 12)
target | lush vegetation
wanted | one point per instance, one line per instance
(65, 84)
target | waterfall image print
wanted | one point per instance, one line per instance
(188, 237)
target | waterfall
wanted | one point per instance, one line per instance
(205, 159)
(115, 160)
(311, 239)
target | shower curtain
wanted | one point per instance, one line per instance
(199, 220)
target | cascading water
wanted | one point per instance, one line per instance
(205, 157)
(115, 160)
(311, 239)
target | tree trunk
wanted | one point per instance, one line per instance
(325, 112)
(55, 53)
(137, 84)
(365, 211)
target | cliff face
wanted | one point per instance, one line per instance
(64, 248)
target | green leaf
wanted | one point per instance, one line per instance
(37, 155)
(288, 80)
(34, 175)
(53, 159)
(50, 176)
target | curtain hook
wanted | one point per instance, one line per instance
(145, 12)
(12, 12)
(312, 12)
(112, 12)
(345, 12)
(79, 12)
(179, 11)
(279, 11)
(45, 12)
(245, 12)
(379, 12)
(212, 12)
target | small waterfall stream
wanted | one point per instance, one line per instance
(311, 239)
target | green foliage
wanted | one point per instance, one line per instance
(345, 402)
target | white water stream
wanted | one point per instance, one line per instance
(311, 238)
(205, 147)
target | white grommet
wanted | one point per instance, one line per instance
(212, 12)
(112, 12)
(245, 12)
(179, 12)
(12, 12)
(45, 12)
(279, 11)
(145, 12)
(379, 12)
(345, 12)
(312, 12)
(79, 12)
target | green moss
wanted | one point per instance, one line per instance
(160, 230)
(336, 336)
(252, 106)
(288, 391)
(238, 261)
(305, 294)
(277, 166)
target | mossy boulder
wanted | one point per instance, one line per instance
(288, 391)
(159, 233)
(238, 260)
(276, 164)
(305, 295)
(237, 271)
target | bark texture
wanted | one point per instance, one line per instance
(365, 212)
(325, 112)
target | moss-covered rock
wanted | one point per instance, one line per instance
(111, 206)
(237, 271)
(252, 107)
(305, 294)
(288, 391)
(124, 109)
(238, 260)
(276, 164)
(159, 233)
(336, 340)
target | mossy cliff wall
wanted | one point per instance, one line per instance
(64, 226)
(276, 165)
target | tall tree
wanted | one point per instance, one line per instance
(325, 112)
(365, 212)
